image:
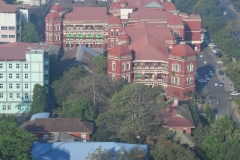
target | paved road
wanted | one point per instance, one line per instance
(217, 93)
(225, 5)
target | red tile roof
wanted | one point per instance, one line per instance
(7, 8)
(175, 20)
(43, 125)
(87, 14)
(115, 20)
(170, 37)
(16, 51)
(123, 37)
(182, 50)
(119, 51)
(123, 2)
(169, 6)
(115, 5)
(57, 8)
(53, 16)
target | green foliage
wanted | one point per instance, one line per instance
(130, 112)
(67, 83)
(123, 154)
(175, 152)
(185, 5)
(38, 99)
(17, 3)
(30, 33)
(209, 112)
(101, 63)
(230, 150)
(15, 143)
(9, 118)
(78, 109)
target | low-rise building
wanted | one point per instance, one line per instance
(22, 65)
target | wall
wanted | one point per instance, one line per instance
(8, 19)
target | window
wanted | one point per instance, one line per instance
(128, 66)
(176, 80)
(189, 80)
(159, 64)
(1, 85)
(19, 107)
(47, 27)
(112, 43)
(9, 65)
(9, 107)
(26, 86)
(10, 86)
(106, 37)
(127, 78)
(58, 28)
(176, 34)
(1, 95)
(46, 76)
(55, 38)
(1, 75)
(10, 76)
(17, 65)
(46, 66)
(83, 135)
(59, 37)
(50, 38)
(113, 66)
(26, 95)
(50, 28)
(46, 55)
(123, 66)
(113, 77)
(17, 76)
(112, 34)
(10, 95)
(189, 68)
(1, 65)
(106, 27)
(3, 27)
(18, 95)
(117, 32)
(4, 36)
(17, 86)
(55, 28)
(12, 28)
(26, 76)
(26, 66)
(4, 107)
(11, 36)
(139, 64)
(176, 67)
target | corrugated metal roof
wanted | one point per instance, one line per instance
(153, 5)
(76, 150)
(40, 115)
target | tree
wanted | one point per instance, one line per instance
(78, 109)
(175, 152)
(230, 150)
(38, 99)
(15, 143)
(30, 33)
(131, 112)
(100, 62)
(208, 111)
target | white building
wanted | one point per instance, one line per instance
(22, 65)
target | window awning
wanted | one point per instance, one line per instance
(81, 36)
(97, 36)
(86, 36)
(91, 36)
(139, 75)
(72, 36)
(67, 36)
(100, 37)
(77, 36)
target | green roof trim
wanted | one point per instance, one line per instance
(81, 36)
(139, 75)
(91, 36)
(77, 36)
(97, 36)
(71, 36)
(100, 36)
(86, 36)
(67, 36)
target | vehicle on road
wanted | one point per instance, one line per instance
(219, 62)
(220, 84)
(234, 93)
(210, 73)
(221, 72)
(216, 84)
(205, 62)
(202, 81)
(207, 77)
(211, 45)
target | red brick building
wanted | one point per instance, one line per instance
(143, 39)
(50, 126)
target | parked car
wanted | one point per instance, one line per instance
(210, 73)
(220, 84)
(221, 72)
(211, 44)
(202, 81)
(207, 77)
(234, 94)
(219, 62)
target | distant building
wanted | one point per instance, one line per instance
(41, 127)
(22, 65)
(148, 42)
(79, 150)
(33, 2)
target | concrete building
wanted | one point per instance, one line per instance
(22, 65)
(33, 2)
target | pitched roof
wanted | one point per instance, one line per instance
(182, 50)
(41, 125)
(87, 14)
(153, 5)
(7, 8)
(57, 8)
(155, 14)
(115, 5)
(40, 115)
(16, 51)
(53, 16)
(175, 20)
(184, 111)
(119, 51)
(169, 6)
(77, 150)
(114, 20)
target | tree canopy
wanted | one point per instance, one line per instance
(38, 99)
(29, 33)
(101, 64)
(15, 143)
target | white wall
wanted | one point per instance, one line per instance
(125, 13)
(7, 19)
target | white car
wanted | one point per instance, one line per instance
(219, 61)
(205, 62)
(207, 77)
(210, 73)
(234, 94)
(202, 81)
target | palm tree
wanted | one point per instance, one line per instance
(224, 127)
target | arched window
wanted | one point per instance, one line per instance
(112, 43)
(176, 67)
(128, 66)
(50, 28)
(175, 80)
(189, 80)
(170, 48)
(114, 66)
(189, 67)
(58, 27)
(47, 27)
(55, 27)
(123, 66)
